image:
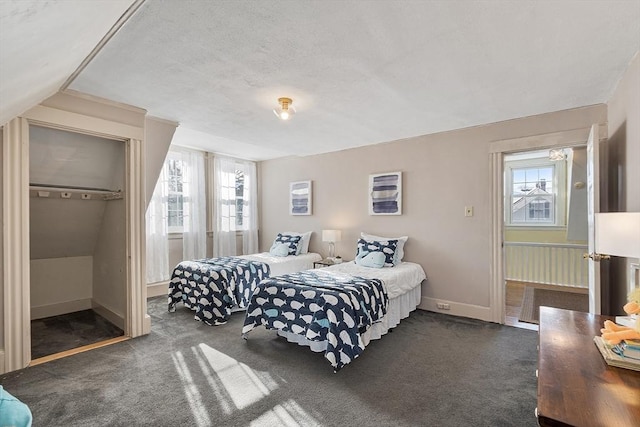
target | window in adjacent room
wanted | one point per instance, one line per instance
(535, 190)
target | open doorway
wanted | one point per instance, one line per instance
(545, 233)
(77, 240)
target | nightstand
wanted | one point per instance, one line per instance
(323, 263)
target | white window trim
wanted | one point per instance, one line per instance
(559, 184)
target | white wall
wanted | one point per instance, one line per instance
(110, 264)
(157, 139)
(1, 246)
(60, 285)
(442, 173)
(110, 256)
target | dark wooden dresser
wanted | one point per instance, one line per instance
(576, 387)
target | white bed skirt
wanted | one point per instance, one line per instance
(399, 308)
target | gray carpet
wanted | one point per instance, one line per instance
(60, 333)
(432, 370)
(534, 298)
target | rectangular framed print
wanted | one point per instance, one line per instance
(300, 198)
(385, 193)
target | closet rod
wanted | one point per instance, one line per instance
(34, 186)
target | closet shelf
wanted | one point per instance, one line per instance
(67, 192)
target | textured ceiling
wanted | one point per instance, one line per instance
(359, 72)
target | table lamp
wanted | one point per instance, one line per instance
(331, 236)
(618, 234)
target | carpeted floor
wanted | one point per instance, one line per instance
(60, 333)
(534, 298)
(432, 370)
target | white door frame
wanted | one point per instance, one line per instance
(593, 207)
(16, 350)
(497, 150)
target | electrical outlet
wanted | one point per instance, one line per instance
(443, 306)
(468, 211)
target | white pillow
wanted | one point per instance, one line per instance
(397, 259)
(303, 246)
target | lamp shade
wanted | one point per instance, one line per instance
(618, 234)
(331, 235)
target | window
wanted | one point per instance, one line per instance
(233, 187)
(234, 208)
(239, 198)
(532, 195)
(175, 205)
(184, 181)
(534, 190)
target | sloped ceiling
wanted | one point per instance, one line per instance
(359, 72)
(43, 42)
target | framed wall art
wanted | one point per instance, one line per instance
(300, 198)
(385, 193)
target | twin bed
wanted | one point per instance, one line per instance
(336, 310)
(215, 287)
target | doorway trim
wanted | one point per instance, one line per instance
(16, 353)
(497, 150)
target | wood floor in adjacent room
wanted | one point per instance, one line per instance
(513, 298)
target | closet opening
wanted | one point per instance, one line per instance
(78, 242)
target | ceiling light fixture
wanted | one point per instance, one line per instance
(285, 110)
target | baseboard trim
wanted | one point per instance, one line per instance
(57, 309)
(457, 309)
(2, 367)
(157, 289)
(111, 316)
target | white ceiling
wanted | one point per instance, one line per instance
(359, 72)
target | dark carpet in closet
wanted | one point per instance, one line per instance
(67, 331)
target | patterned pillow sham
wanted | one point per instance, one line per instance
(303, 246)
(387, 247)
(397, 259)
(291, 241)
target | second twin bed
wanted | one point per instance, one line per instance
(336, 310)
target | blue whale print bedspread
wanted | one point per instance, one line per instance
(212, 286)
(320, 306)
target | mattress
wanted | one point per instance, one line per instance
(285, 265)
(398, 280)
